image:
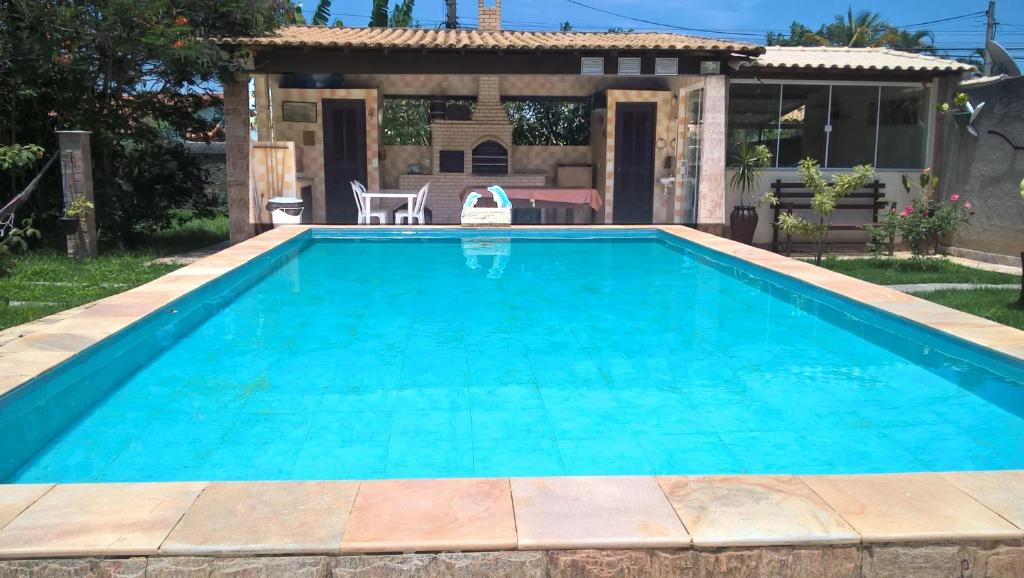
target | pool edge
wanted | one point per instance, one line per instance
(975, 505)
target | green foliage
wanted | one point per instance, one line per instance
(959, 104)
(322, 14)
(886, 271)
(825, 198)
(988, 303)
(882, 235)
(926, 220)
(16, 156)
(549, 122)
(79, 207)
(16, 241)
(406, 121)
(749, 162)
(133, 73)
(401, 14)
(144, 185)
(565, 26)
(379, 14)
(854, 29)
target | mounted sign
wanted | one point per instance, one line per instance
(293, 111)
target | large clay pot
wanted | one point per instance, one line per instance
(742, 224)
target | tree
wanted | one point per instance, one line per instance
(565, 26)
(799, 35)
(860, 29)
(825, 198)
(400, 16)
(918, 41)
(134, 73)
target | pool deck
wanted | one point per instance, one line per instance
(856, 525)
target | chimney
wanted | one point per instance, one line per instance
(488, 17)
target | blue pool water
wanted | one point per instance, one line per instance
(441, 356)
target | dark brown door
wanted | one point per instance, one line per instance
(633, 201)
(344, 157)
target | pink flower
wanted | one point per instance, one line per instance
(968, 205)
(906, 211)
(954, 197)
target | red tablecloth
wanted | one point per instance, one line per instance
(576, 196)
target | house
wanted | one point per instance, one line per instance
(647, 120)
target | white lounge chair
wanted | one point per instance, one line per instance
(417, 210)
(365, 214)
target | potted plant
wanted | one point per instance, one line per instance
(962, 111)
(751, 160)
(76, 210)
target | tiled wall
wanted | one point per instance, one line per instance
(665, 138)
(312, 155)
(388, 164)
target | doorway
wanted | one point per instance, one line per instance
(344, 157)
(633, 201)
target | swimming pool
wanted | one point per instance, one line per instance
(355, 354)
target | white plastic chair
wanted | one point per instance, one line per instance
(417, 209)
(365, 215)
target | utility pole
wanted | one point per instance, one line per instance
(990, 34)
(451, 20)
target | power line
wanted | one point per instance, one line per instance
(980, 12)
(706, 30)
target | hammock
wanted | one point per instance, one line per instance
(7, 211)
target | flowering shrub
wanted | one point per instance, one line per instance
(922, 222)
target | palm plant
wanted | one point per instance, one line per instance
(856, 30)
(918, 41)
(322, 13)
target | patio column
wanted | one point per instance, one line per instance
(711, 206)
(236, 136)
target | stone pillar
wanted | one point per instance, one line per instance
(236, 136)
(711, 203)
(76, 179)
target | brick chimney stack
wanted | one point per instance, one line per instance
(488, 17)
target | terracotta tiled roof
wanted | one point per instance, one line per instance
(476, 39)
(839, 58)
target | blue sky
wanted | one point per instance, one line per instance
(738, 19)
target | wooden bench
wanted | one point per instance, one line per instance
(795, 196)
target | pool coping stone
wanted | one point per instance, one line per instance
(139, 519)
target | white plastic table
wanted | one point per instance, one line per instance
(410, 197)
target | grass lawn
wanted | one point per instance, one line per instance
(886, 271)
(42, 283)
(987, 303)
(188, 236)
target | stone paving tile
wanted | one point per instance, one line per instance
(98, 519)
(1001, 492)
(265, 518)
(910, 508)
(594, 512)
(721, 511)
(431, 515)
(16, 498)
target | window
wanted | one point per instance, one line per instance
(854, 124)
(753, 116)
(406, 121)
(804, 115)
(549, 121)
(840, 125)
(902, 127)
